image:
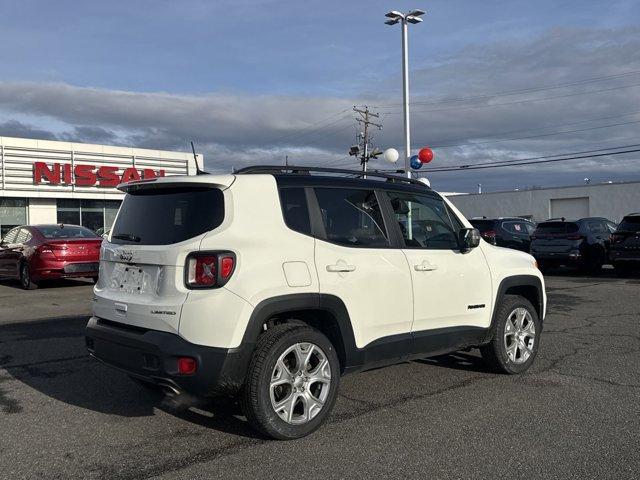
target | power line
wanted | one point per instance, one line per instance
(608, 117)
(536, 160)
(550, 134)
(517, 102)
(518, 91)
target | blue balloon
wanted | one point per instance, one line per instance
(415, 162)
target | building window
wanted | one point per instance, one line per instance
(13, 212)
(96, 215)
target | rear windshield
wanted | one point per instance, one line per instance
(166, 216)
(630, 224)
(482, 225)
(52, 232)
(556, 228)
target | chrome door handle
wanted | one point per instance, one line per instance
(425, 267)
(341, 267)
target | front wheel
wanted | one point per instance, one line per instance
(516, 336)
(25, 277)
(292, 383)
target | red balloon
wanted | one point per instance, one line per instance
(425, 155)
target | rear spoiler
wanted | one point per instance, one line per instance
(178, 181)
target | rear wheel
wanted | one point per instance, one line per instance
(516, 336)
(25, 277)
(292, 382)
(622, 268)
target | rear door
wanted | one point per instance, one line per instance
(517, 234)
(356, 263)
(142, 263)
(450, 288)
(8, 253)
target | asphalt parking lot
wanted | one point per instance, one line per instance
(576, 414)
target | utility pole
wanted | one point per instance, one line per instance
(365, 119)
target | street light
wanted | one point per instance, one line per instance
(412, 17)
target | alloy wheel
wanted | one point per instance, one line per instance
(300, 383)
(519, 335)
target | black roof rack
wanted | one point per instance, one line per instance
(279, 169)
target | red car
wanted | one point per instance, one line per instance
(42, 252)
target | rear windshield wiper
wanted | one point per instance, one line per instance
(126, 236)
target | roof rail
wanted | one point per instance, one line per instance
(307, 170)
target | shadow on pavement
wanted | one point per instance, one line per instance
(50, 357)
(51, 284)
(457, 361)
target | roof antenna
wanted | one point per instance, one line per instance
(195, 159)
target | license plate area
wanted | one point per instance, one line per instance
(81, 268)
(128, 278)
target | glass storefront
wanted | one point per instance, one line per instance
(97, 215)
(13, 212)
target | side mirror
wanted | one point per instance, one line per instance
(469, 238)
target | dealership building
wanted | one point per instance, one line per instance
(44, 181)
(609, 200)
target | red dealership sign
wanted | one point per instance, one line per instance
(88, 175)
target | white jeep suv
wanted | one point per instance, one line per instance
(272, 283)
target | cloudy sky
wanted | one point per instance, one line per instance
(251, 81)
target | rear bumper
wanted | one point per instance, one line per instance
(41, 270)
(152, 356)
(625, 255)
(573, 256)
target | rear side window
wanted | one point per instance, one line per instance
(65, 231)
(165, 216)
(557, 228)
(516, 227)
(630, 224)
(482, 225)
(295, 210)
(352, 217)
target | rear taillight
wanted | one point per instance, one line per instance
(489, 236)
(48, 249)
(209, 269)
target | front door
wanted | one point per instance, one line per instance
(355, 262)
(450, 288)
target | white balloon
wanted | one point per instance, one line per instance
(391, 155)
(424, 180)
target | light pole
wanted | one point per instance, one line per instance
(406, 18)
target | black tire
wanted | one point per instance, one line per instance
(255, 398)
(622, 268)
(25, 277)
(495, 352)
(593, 263)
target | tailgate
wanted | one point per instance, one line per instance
(141, 287)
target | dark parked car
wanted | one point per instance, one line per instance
(510, 232)
(625, 244)
(582, 243)
(41, 252)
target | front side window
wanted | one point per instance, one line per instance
(425, 221)
(352, 217)
(630, 224)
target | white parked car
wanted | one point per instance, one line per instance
(271, 284)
